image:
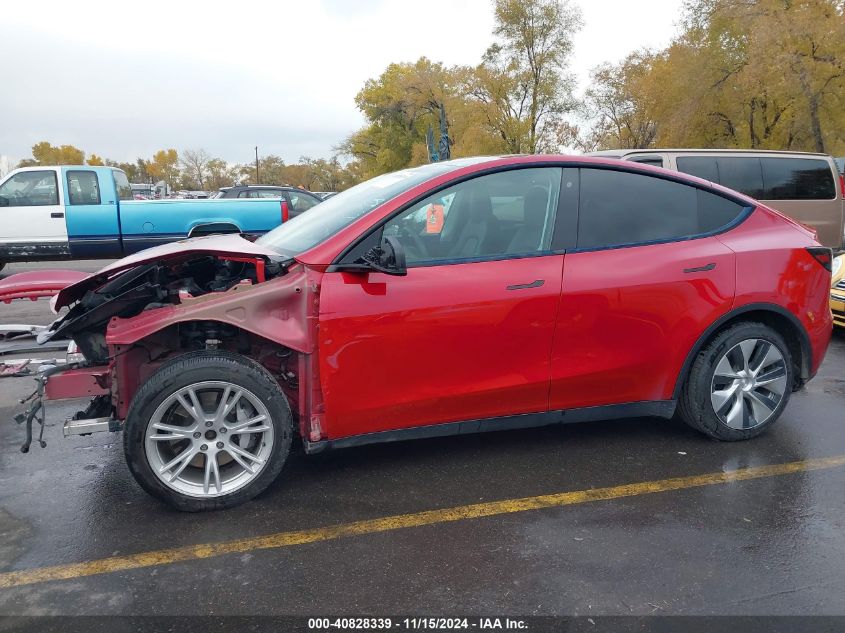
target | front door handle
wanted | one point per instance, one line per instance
(534, 284)
(57, 214)
(701, 269)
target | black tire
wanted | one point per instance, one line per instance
(189, 369)
(695, 406)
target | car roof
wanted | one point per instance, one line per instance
(687, 150)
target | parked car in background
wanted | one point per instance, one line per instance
(806, 187)
(300, 200)
(837, 291)
(432, 302)
(324, 195)
(89, 212)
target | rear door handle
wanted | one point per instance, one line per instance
(57, 214)
(701, 269)
(534, 284)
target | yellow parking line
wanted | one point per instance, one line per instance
(401, 521)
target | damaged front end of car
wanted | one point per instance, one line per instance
(128, 320)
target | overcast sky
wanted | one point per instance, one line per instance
(226, 76)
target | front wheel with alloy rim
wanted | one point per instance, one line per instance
(739, 384)
(208, 430)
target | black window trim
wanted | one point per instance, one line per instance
(68, 172)
(668, 175)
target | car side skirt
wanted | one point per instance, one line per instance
(656, 408)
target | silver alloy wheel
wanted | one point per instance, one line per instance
(209, 439)
(748, 384)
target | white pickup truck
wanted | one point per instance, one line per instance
(85, 212)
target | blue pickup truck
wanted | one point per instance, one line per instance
(85, 212)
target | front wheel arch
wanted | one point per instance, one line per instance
(188, 371)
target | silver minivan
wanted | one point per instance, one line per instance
(806, 187)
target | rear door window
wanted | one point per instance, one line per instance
(798, 179)
(82, 187)
(621, 208)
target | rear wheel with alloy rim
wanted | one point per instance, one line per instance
(208, 430)
(739, 383)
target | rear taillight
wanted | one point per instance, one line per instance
(822, 255)
(285, 211)
(842, 185)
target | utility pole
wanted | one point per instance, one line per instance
(257, 181)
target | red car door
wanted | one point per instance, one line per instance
(629, 313)
(467, 333)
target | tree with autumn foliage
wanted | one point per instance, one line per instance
(512, 102)
(766, 74)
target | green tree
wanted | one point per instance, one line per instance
(95, 161)
(219, 174)
(523, 81)
(614, 102)
(403, 103)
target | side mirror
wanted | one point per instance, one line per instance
(388, 257)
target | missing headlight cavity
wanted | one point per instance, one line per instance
(147, 287)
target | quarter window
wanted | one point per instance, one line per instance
(30, 189)
(493, 216)
(82, 188)
(619, 208)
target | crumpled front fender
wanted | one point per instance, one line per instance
(283, 310)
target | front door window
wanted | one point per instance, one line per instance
(490, 217)
(30, 189)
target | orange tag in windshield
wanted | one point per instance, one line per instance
(434, 218)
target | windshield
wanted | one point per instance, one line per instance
(309, 229)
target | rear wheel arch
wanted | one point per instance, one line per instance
(778, 318)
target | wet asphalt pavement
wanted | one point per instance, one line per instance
(772, 545)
